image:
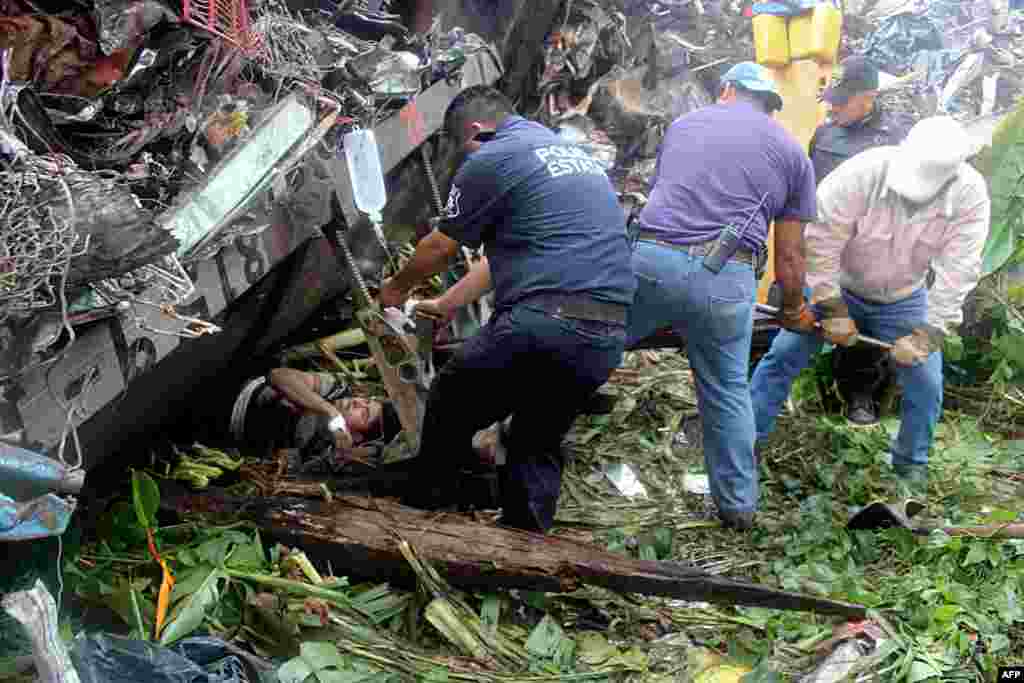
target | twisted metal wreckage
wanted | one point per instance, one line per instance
(167, 187)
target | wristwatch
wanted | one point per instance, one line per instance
(337, 424)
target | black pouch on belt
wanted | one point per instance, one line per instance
(724, 248)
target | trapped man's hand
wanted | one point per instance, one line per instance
(800, 320)
(391, 295)
(343, 440)
(839, 331)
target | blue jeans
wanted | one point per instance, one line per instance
(714, 313)
(922, 384)
(537, 367)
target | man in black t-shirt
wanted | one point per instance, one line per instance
(559, 262)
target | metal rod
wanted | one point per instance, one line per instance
(774, 312)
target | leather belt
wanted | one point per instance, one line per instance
(743, 254)
(580, 308)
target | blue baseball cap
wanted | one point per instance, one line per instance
(756, 78)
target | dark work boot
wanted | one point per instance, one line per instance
(862, 411)
(734, 519)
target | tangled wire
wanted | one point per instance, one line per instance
(289, 48)
(37, 232)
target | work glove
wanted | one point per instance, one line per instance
(914, 348)
(836, 325)
(839, 331)
(801, 320)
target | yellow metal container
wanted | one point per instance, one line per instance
(771, 40)
(815, 35)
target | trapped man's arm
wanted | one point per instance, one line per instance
(302, 389)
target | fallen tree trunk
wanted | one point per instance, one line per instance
(361, 535)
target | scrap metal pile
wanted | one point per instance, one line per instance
(617, 71)
(113, 111)
(957, 58)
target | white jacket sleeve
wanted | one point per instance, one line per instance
(958, 268)
(843, 199)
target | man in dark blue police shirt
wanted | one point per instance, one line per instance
(559, 262)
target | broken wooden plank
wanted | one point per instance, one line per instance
(360, 535)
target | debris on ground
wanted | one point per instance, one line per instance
(141, 142)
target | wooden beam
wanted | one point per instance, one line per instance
(360, 535)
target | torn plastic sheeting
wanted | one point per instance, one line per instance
(624, 479)
(11, 148)
(47, 515)
(698, 484)
(935, 65)
(966, 73)
(898, 40)
(102, 658)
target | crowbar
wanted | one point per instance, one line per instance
(774, 312)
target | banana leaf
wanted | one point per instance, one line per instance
(1002, 164)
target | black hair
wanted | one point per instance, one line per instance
(476, 103)
(763, 101)
(390, 424)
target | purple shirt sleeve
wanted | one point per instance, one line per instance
(801, 205)
(657, 171)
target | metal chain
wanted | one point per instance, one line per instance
(435, 193)
(435, 190)
(357, 275)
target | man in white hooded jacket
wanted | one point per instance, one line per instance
(887, 217)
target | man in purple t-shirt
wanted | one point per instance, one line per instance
(727, 164)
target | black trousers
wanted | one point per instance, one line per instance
(540, 369)
(859, 370)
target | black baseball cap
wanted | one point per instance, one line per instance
(853, 76)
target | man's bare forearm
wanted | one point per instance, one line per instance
(432, 255)
(295, 385)
(469, 288)
(790, 269)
